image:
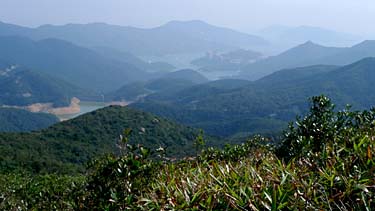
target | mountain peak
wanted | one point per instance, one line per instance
(309, 43)
(362, 65)
(189, 23)
(367, 60)
(306, 27)
(188, 74)
(365, 43)
(75, 25)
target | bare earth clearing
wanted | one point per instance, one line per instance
(73, 108)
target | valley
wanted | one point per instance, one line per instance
(225, 113)
(229, 91)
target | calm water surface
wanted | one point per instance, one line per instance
(86, 107)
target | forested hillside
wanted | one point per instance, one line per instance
(17, 120)
(324, 161)
(267, 103)
(166, 84)
(67, 146)
(21, 87)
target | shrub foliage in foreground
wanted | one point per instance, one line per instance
(324, 162)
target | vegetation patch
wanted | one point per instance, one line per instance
(324, 162)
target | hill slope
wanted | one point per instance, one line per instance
(134, 60)
(277, 98)
(79, 66)
(305, 54)
(350, 55)
(21, 87)
(285, 36)
(186, 74)
(309, 54)
(16, 120)
(66, 146)
(167, 84)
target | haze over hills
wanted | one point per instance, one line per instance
(227, 62)
(22, 87)
(79, 66)
(284, 37)
(176, 37)
(302, 55)
(187, 105)
(104, 70)
(166, 84)
(307, 54)
(352, 54)
(269, 102)
(131, 59)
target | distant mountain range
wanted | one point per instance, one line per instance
(21, 87)
(80, 66)
(26, 76)
(52, 64)
(307, 54)
(268, 104)
(284, 37)
(176, 37)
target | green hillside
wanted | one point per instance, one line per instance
(276, 99)
(324, 162)
(166, 84)
(17, 120)
(21, 87)
(65, 147)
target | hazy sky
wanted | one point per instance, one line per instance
(356, 16)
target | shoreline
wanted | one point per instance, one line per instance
(68, 112)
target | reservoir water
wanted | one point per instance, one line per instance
(85, 107)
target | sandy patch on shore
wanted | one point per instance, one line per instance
(62, 112)
(73, 108)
